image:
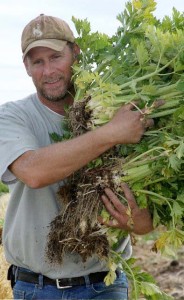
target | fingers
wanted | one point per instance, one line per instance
(129, 195)
(146, 122)
(112, 202)
(158, 103)
(118, 218)
(128, 106)
(131, 105)
(135, 104)
(120, 213)
(116, 213)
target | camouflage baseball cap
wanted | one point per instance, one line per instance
(46, 31)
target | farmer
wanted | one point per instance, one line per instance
(34, 168)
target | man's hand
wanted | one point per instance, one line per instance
(127, 217)
(128, 126)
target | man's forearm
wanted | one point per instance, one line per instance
(55, 162)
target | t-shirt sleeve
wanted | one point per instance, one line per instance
(16, 137)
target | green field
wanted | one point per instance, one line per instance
(3, 188)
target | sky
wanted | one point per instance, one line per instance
(14, 15)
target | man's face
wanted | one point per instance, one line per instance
(50, 71)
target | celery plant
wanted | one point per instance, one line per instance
(142, 61)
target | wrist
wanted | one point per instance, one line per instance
(107, 133)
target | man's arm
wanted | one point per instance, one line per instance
(55, 162)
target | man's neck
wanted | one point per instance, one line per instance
(58, 106)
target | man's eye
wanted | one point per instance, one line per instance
(37, 62)
(56, 56)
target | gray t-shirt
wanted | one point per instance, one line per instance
(26, 125)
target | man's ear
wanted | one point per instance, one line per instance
(76, 51)
(26, 64)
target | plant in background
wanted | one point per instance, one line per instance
(3, 188)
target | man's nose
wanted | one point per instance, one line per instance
(48, 68)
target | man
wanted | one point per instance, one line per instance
(34, 168)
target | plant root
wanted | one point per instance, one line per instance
(76, 229)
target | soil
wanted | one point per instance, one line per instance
(168, 272)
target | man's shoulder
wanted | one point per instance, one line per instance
(19, 108)
(12, 105)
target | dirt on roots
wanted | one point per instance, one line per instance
(76, 228)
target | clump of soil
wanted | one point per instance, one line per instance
(78, 117)
(76, 228)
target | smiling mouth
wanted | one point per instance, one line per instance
(53, 81)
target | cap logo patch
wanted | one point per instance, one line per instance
(37, 31)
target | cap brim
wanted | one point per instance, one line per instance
(56, 45)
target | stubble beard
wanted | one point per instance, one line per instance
(56, 96)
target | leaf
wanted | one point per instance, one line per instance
(105, 215)
(156, 217)
(180, 86)
(110, 277)
(179, 114)
(174, 162)
(142, 54)
(180, 150)
(149, 289)
(177, 210)
(3, 188)
(83, 27)
(1, 222)
(56, 137)
(170, 239)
